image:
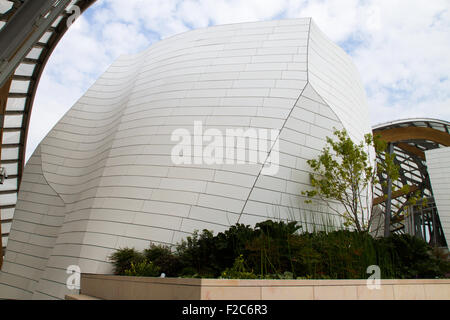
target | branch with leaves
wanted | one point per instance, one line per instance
(347, 173)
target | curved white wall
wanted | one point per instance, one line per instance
(103, 178)
(336, 79)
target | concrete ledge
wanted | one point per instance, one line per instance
(79, 297)
(112, 287)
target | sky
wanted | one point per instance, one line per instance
(400, 47)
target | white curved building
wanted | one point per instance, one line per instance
(104, 178)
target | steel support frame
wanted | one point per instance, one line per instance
(3, 100)
(23, 30)
(387, 214)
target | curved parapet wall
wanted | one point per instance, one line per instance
(105, 176)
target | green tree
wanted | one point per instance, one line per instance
(347, 173)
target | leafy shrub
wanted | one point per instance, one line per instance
(276, 230)
(238, 271)
(162, 257)
(123, 258)
(230, 244)
(339, 254)
(286, 276)
(144, 268)
(277, 250)
(414, 258)
(442, 256)
(189, 272)
(270, 252)
(198, 252)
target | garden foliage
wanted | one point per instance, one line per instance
(279, 250)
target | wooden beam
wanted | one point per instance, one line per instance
(4, 91)
(414, 133)
(18, 95)
(411, 149)
(395, 195)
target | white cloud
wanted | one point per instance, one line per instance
(405, 65)
(401, 48)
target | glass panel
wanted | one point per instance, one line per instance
(8, 199)
(2, 24)
(56, 22)
(19, 86)
(10, 153)
(45, 37)
(11, 137)
(13, 121)
(70, 6)
(4, 241)
(7, 213)
(15, 104)
(34, 53)
(5, 6)
(9, 184)
(439, 127)
(6, 227)
(25, 69)
(11, 169)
